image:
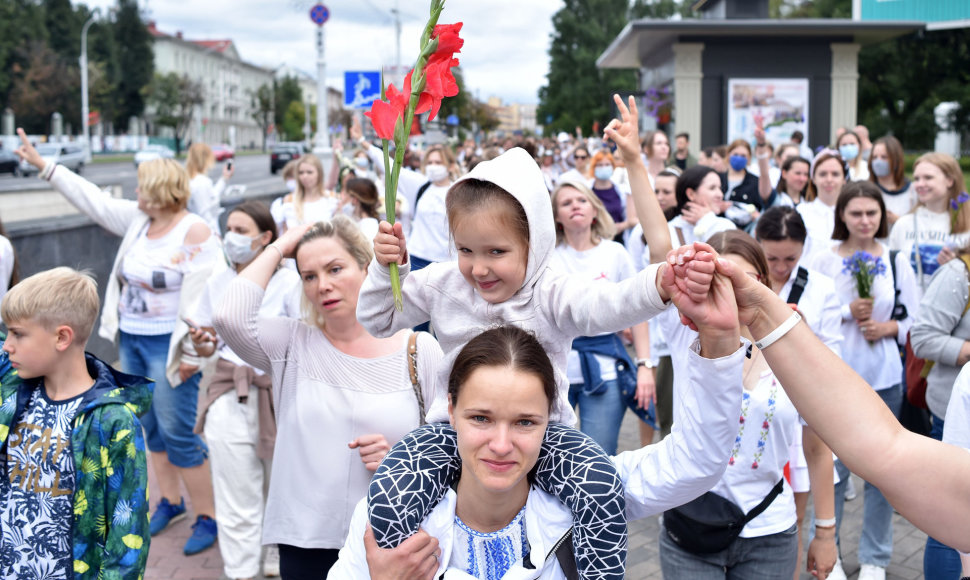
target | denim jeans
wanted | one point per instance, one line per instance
(940, 562)
(876, 541)
(600, 414)
(770, 557)
(170, 420)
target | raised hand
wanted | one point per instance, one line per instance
(27, 152)
(625, 131)
(288, 241)
(389, 244)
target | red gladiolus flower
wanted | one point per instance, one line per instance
(384, 114)
(448, 41)
(439, 83)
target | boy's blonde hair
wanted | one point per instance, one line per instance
(164, 184)
(58, 297)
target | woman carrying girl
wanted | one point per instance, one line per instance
(497, 522)
(333, 383)
(600, 372)
(500, 219)
(872, 332)
(236, 414)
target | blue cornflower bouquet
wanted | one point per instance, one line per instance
(955, 208)
(864, 267)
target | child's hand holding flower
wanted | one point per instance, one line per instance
(389, 244)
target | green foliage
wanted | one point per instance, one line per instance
(136, 60)
(21, 22)
(63, 27)
(901, 81)
(577, 93)
(293, 120)
(46, 85)
(261, 103)
(287, 91)
(174, 99)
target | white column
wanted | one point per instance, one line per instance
(688, 74)
(845, 86)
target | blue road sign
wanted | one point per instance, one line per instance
(319, 14)
(361, 88)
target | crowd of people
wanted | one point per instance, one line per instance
(549, 286)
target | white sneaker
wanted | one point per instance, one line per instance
(271, 563)
(870, 572)
(850, 493)
(837, 572)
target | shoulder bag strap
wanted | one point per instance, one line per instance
(680, 235)
(566, 558)
(758, 509)
(798, 286)
(413, 373)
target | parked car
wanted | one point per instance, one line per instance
(223, 152)
(66, 154)
(9, 163)
(281, 154)
(153, 152)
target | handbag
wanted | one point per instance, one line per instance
(917, 369)
(413, 373)
(710, 523)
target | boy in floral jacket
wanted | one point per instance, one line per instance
(73, 475)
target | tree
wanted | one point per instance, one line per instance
(294, 120)
(261, 105)
(43, 86)
(287, 91)
(174, 99)
(136, 61)
(926, 69)
(64, 27)
(577, 93)
(21, 22)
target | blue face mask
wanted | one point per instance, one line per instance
(849, 151)
(880, 167)
(738, 162)
(603, 173)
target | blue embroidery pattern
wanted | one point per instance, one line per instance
(488, 556)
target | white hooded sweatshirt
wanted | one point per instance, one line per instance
(556, 308)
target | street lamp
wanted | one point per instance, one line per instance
(84, 85)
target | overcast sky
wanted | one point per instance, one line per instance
(508, 60)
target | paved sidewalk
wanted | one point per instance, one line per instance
(165, 560)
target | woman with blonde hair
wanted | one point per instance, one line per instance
(333, 383)
(310, 202)
(602, 377)
(166, 256)
(939, 225)
(205, 197)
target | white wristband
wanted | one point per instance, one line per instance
(779, 332)
(829, 523)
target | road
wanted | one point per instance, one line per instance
(250, 170)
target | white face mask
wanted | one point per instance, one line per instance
(239, 248)
(435, 172)
(362, 162)
(291, 185)
(347, 209)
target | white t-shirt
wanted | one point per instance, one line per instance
(878, 363)
(204, 200)
(430, 236)
(900, 203)
(281, 300)
(702, 231)
(152, 272)
(315, 211)
(607, 261)
(757, 461)
(819, 222)
(956, 428)
(933, 230)
(369, 227)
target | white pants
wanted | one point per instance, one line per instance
(238, 481)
